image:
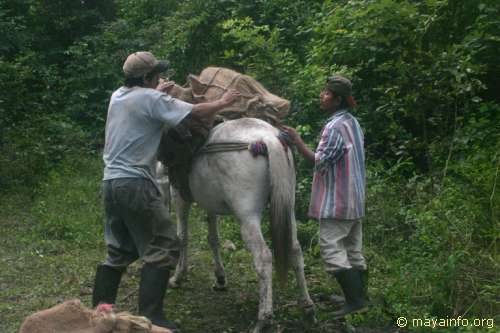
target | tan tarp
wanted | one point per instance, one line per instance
(255, 100)
(72, 317)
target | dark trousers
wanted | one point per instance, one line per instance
(138, 224)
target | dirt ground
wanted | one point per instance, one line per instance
(37, 275)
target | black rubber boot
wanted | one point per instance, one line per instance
(337, 299)
(351, 284)
(107, 280)
(152, 289)
(363, 274)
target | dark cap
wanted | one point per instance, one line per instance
(339, 85)
(141, 63)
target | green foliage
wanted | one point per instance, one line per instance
(411, 89)
(140, 13)
(425, 75)
(33, 147)
(308, 236)
(35, 129)
(436, 251)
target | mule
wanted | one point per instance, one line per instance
(164, 183)
(227, 180)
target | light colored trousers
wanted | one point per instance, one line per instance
(340, 243)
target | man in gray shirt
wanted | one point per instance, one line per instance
(137, 223)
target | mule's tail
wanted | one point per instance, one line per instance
(282, 178)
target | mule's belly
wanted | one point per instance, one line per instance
(223, 183)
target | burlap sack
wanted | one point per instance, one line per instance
(72, 317)
(255, 100)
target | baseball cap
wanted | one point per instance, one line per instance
(141, 63)
(339, 85)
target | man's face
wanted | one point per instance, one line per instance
(327, 100)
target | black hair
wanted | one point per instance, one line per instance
(133, 82)
(343, 101)
(139, 81)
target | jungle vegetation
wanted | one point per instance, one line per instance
(426, 78)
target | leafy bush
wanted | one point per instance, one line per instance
(434, 252)
(31, 148)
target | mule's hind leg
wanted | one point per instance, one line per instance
(298, 265)
(213, 240)
(262, 257)
(182, 210)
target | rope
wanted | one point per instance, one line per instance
(104, 319)
(218, 147)
(211, 80)
(255, 148)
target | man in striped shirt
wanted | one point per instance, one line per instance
(338, 192)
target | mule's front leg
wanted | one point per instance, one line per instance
(213, 240)
(262, 257)
(182, 210)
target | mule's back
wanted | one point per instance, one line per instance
(234, 180)
(245, 129)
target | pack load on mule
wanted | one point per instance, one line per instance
(179, 146)
(73, 317)
(255, 100)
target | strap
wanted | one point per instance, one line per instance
(217, 147)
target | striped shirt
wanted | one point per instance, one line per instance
(338, 188)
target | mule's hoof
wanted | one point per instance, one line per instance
(220, 284)
(174, 283)
(264, 326)
(219, 287)
(348, 328)
(310, 314)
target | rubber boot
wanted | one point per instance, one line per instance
(351, 284)
(107, 280)
(152, 289)
(363, 273)
(337, 299)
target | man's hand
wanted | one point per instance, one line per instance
(165, 86)
(298, 142)
(208, 110)
(230, 96)
(292, 134)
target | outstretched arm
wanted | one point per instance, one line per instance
(299, 143)
(206, 110)
(209, 109)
